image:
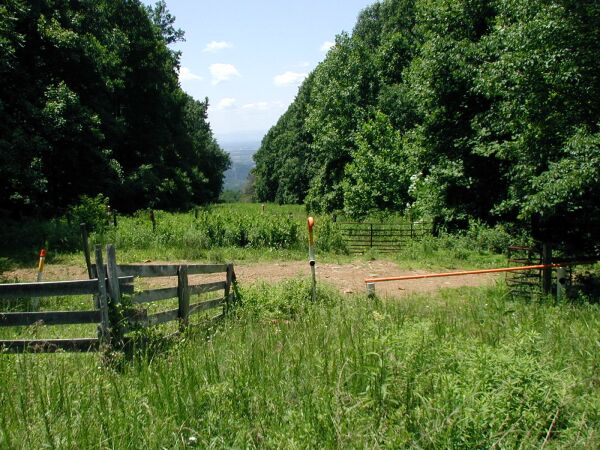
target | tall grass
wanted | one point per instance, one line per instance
(210, 230)
(218, 233)
(460, 369)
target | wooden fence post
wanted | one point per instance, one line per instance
(547, 273)
(183, 295)
(153, 220)
(104, 335)
(228, 281)
(115, 295)
(86, 249)
(371, 235)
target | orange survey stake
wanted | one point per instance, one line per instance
(311, 224)
(41, 264)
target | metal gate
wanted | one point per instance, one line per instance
(386, 238)
(524, 283)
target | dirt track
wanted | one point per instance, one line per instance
(349, 278)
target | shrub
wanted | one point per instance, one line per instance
(329, 237)
(496, 239)
(93, 211)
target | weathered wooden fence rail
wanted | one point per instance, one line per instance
(97, 315)
(362, 236)
(183, 291)
(114, 314)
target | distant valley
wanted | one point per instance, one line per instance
(241, 152)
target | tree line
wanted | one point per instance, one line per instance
(459, 110)
(90, 103)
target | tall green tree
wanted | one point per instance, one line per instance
(467, 109)
(542, 74)
(345, 86)
(378, 177)
(90, 103)
(284, 162)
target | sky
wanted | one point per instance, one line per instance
(249, 56)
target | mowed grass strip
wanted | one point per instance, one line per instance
(465, 368)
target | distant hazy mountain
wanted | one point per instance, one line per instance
(241, 151)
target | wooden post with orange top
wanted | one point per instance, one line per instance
(41, 264)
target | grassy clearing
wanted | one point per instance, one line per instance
(463, 368)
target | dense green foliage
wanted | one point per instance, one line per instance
(457, 109)
(90, 103)
(459, 369)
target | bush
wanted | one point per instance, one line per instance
(208, 228)
(5, 265)
(93, 211)
(484, 238)
(329, 237)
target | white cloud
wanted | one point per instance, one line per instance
(325, 46)
(215, 46)
(289, 78)
(186, 74)
(226, 103)
(223, 72)
(258, 106)
(262, 106)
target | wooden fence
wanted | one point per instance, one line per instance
(137, 316)
(115, 315)
(362, 236)
(99, 314)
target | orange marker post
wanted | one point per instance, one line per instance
(41, 263)
(311, 256)
(35, 302)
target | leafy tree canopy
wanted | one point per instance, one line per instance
(90, 103)
(464, 110)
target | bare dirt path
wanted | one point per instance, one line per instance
(348, 278)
